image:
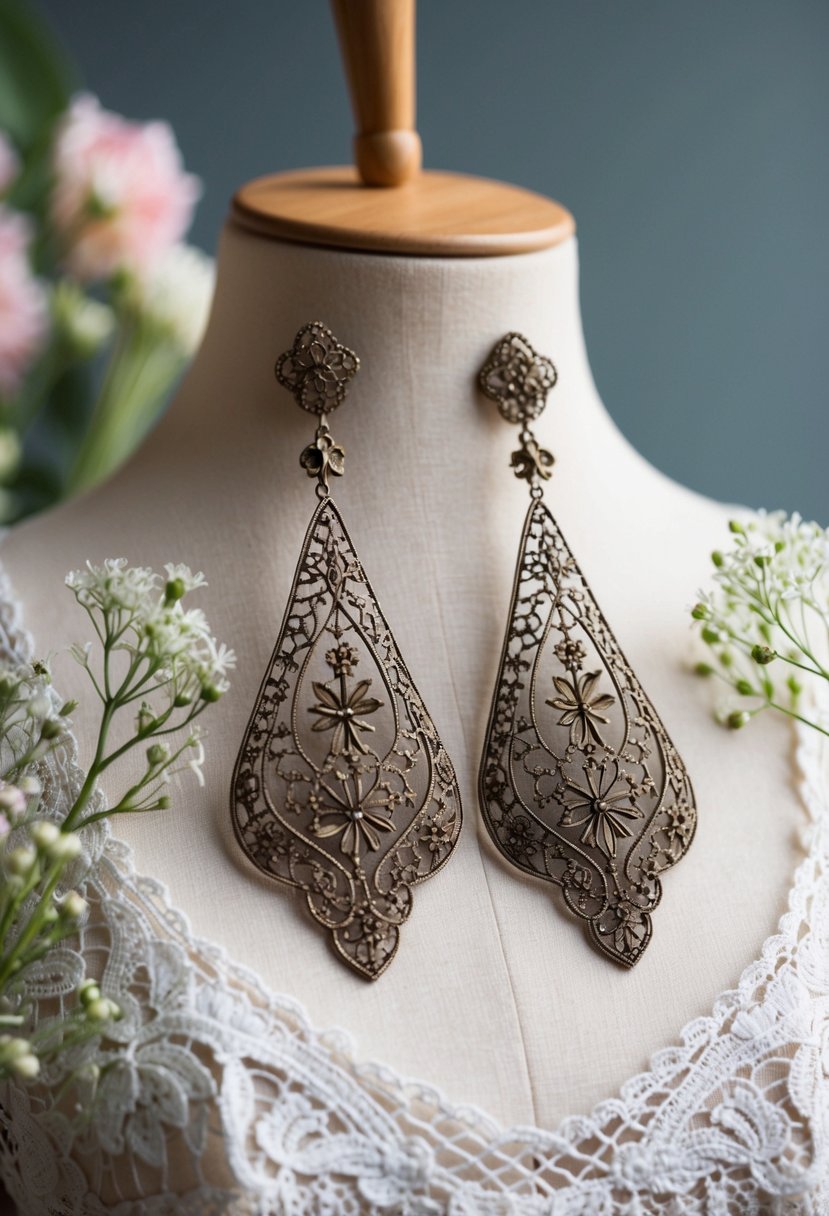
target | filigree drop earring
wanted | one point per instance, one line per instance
(579, 783)
(342, 787)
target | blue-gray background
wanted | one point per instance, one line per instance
(689, 138)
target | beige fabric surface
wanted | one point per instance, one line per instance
(495, 994)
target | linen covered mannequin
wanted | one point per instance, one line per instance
(495, 995)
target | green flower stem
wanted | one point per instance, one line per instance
(35, 924)
(142, 366)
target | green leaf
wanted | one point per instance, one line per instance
(36, 80)
(35, 76)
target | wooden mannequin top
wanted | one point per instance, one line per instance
(440, 214)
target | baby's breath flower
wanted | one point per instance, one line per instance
(13, 797)
(44, 834)
(18, 1058)
(767, 613)
(112, 585)
(21, 861)
(73, 905)
(65, 847)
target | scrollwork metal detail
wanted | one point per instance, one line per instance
(580, 784)
(342, 787)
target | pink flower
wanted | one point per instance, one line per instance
(9, 164)
(23, 303)
(121, 197)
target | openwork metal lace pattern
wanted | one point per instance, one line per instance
(342, 787)
(580, 784)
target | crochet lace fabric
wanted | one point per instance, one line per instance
(216, 1095)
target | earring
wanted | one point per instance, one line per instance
(342, 787)
(579, 783)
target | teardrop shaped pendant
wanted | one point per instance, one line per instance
(580, 784)
(342, 787)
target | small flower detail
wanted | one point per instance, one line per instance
(339, 710)
(358, 818)
(580, 709)
(322, 457)
(517, 379)
(317, 369)
(570, 654)
(629, 928)
(531, 461)
(519, 839)
(680, 824)
(598, 809)
(342, 659)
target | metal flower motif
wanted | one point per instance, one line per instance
(599, 809)
(531, 461)
(317, 369)
(517, 378)
(357, 817)
(353, 827)
(581, 709)
(322, 457)
(339, 710)
(599, 794)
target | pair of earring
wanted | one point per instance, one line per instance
(342, 787)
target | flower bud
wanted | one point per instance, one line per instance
(51, 729)
(26, 1067)
(704, 669)
(30, 787)
(710, 635)
(12, 1048)
(718, 559)
(181, 699)
(738, 719)
(763, 654)
(21, 861)
(44, 833)
(101, 1010)
(66, 847)
(50, 914)
(761, 560)
(39, 707)
(745, 689)
(157, 754)
(73, 905)
(164, 803)
(210, 693)
(89, 992)
(699, 612)
(736, 527)
(174, 590)
(13, 798)
(68, 708)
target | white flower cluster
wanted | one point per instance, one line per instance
(29, 723)
(766, 620)
(177, 294)
(142, 614)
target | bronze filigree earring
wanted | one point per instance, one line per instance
(579, 783)
(342, 787)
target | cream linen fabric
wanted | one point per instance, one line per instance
(495, 995)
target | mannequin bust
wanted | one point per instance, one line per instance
(495, 995)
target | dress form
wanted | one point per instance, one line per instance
(495, 995)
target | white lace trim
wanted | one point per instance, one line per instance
(219, 1096)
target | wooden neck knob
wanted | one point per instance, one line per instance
(377, 41)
